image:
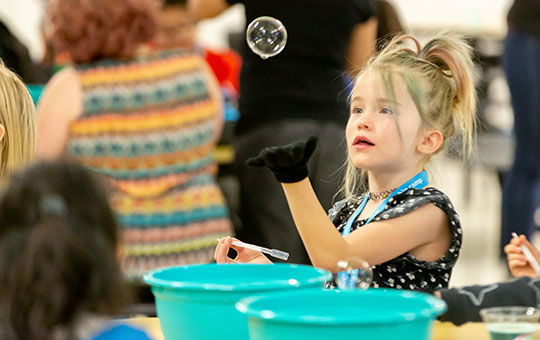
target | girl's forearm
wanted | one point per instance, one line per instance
(323, 242)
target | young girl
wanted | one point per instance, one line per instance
(405, 104)
(59, 274)
(17, 124)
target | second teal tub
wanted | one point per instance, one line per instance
(373, 314)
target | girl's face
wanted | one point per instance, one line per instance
(383, 130)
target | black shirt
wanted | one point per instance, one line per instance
(465, 303)
(405, 271)
(305, 80)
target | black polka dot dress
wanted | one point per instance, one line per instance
(405, 271)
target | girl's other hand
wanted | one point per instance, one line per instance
(244, 255)
(517, 262)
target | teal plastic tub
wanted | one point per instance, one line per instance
(35, 91)
(198, 302)
(333, 314)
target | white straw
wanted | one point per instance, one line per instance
(272, 252)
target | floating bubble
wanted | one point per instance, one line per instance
(266, 36)
(356, 274)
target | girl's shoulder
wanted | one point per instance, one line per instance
(415, 198)
(398, 205)
(412, 199)
(429, 193)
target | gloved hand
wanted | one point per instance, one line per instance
(289, 162)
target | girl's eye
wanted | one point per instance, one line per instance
(357, 110)
(386, 110)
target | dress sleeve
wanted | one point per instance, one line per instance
(465, 303)
(413, 199)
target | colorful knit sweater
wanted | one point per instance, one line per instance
(149, 126)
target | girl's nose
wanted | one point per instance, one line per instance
(364, 121)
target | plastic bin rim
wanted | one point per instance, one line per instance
(151, 279)
(435, 307)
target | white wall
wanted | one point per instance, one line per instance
(213, 33)
(486, 17)
(473, 17)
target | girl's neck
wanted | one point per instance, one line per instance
(381, 181)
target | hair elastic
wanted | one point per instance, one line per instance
(53, 204)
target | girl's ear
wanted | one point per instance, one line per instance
(2, 131)
(431, 142)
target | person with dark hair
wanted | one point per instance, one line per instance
(59, 274)
(148, 121)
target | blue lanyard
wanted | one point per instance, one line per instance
(417, 182)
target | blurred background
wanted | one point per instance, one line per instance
(474, 188)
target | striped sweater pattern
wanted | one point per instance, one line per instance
(149, 127)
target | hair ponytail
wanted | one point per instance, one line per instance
(454, 57)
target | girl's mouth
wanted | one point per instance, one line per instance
(361, 142)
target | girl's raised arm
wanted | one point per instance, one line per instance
(376, 242)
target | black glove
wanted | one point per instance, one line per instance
(289, 162)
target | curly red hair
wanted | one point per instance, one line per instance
(90, 30)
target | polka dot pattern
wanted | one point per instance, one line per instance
(405, 271)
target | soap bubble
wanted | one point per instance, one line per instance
(356, 274)
(266, 36)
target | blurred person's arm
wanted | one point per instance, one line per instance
(464, 303)
(205, 9)
(361, 46)
(59, 106)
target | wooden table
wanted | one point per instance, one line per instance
(441, 331)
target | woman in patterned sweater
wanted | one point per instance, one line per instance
(148, 122)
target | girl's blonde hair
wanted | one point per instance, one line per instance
(440, 79)
(17, 115)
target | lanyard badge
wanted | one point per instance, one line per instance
(347, 279)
